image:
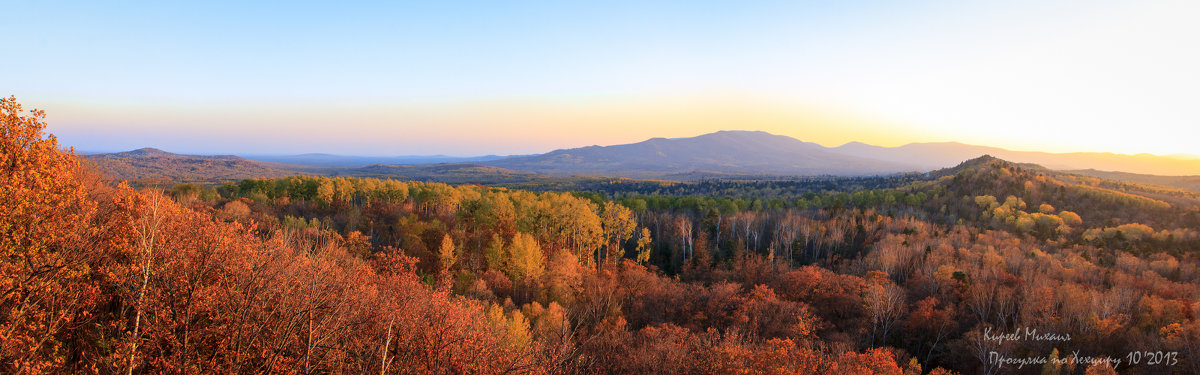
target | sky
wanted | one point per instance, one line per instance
(519, 77)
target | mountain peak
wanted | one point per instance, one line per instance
(978, 163)
(145, 152)
(986, 158)
(740, 133)
(148, 151)
(760, 132)
(984, 162)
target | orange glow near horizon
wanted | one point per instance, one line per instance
(511, 126)
(492, 126)
(389, 79)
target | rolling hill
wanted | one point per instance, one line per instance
(929, 156)
(150, 165)
(1095, 199)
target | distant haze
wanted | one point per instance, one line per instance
(724, 153)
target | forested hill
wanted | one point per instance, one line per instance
(150, 165)
(1029, 199)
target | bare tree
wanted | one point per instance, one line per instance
(147, 231)
(885, 303)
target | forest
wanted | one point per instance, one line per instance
(933, 274)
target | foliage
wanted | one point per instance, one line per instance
(355, 275)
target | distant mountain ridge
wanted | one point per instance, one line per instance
(757, 152)
(728, 152)
(724, 154)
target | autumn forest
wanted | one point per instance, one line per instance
(981, 268)
(988, 267)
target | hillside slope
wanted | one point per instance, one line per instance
(962, 191)
(1182, 182)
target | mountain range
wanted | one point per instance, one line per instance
(756, 152)
(720, 154)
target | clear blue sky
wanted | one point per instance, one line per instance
(485, 77)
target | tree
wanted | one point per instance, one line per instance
(618, 223)
(683, 230)
(1046, 208)
(643, 246)
(495, 254)
(1101, 368)
(1070, 218)
(44, 248)
(1053, 365)
(525, 260)
(234, 210)
(929, 326)
(1185, 338)
(884, 302)
(446, 256)
(147, 232)
(873, 361)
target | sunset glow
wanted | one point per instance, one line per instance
(380, 79)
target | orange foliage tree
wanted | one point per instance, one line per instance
(46, 283)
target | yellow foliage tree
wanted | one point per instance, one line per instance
(643, 246)
(446, 255)
(525, 260)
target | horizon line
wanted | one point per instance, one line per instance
(1184, 156)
